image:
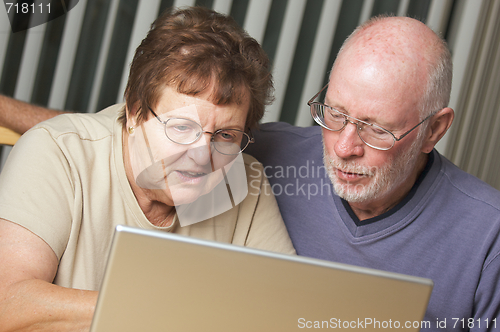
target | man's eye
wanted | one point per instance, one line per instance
(335, 116)
(375, 131)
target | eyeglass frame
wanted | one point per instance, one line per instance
(348, 117)
(251, 139)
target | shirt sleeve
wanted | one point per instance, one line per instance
(36, 188)
(486, 316)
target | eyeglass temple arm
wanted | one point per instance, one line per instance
(409, 131)
(156, 116)
(316, 95)
(250, 135)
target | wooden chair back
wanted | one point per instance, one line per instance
(8, 137)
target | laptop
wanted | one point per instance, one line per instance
(157, 281)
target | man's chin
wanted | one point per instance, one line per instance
(355, 193)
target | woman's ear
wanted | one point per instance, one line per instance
(131, 114)
(439, 125)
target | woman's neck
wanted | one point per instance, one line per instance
(158, 213)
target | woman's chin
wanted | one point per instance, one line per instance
(186, 193)
(185, 196)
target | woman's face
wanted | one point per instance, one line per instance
(173, 173)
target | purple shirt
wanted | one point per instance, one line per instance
(446, 229)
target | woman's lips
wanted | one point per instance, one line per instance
(190, 176)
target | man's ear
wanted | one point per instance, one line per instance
(439, 125)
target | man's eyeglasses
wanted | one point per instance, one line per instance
(185, 131)
(372, 135)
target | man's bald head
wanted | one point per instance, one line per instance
(407, 53)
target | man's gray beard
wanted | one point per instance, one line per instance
(383, 180)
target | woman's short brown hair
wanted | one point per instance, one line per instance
(197, 49)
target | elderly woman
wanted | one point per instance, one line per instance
(168, 159)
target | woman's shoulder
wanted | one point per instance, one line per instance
(253, 167)
(86, 126)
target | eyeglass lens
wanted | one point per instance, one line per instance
(334, 120)
(226, 141)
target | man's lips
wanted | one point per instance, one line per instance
(350, 176)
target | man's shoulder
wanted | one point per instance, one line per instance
(280, 143)
(469, 186)
(280, 135)
(283, 128)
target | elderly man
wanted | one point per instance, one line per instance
(396, 204)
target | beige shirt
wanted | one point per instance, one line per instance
(65, 181)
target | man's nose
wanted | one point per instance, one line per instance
(349, 143)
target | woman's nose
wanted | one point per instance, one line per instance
(200, 151)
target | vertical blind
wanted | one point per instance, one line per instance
(80, 60)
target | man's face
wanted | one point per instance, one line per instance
(379, 181)
(359, 173)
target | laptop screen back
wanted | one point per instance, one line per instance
(157, 281)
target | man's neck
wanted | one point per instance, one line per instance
(378, 206)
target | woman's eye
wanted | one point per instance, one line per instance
(182, 128)
(226, 136)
